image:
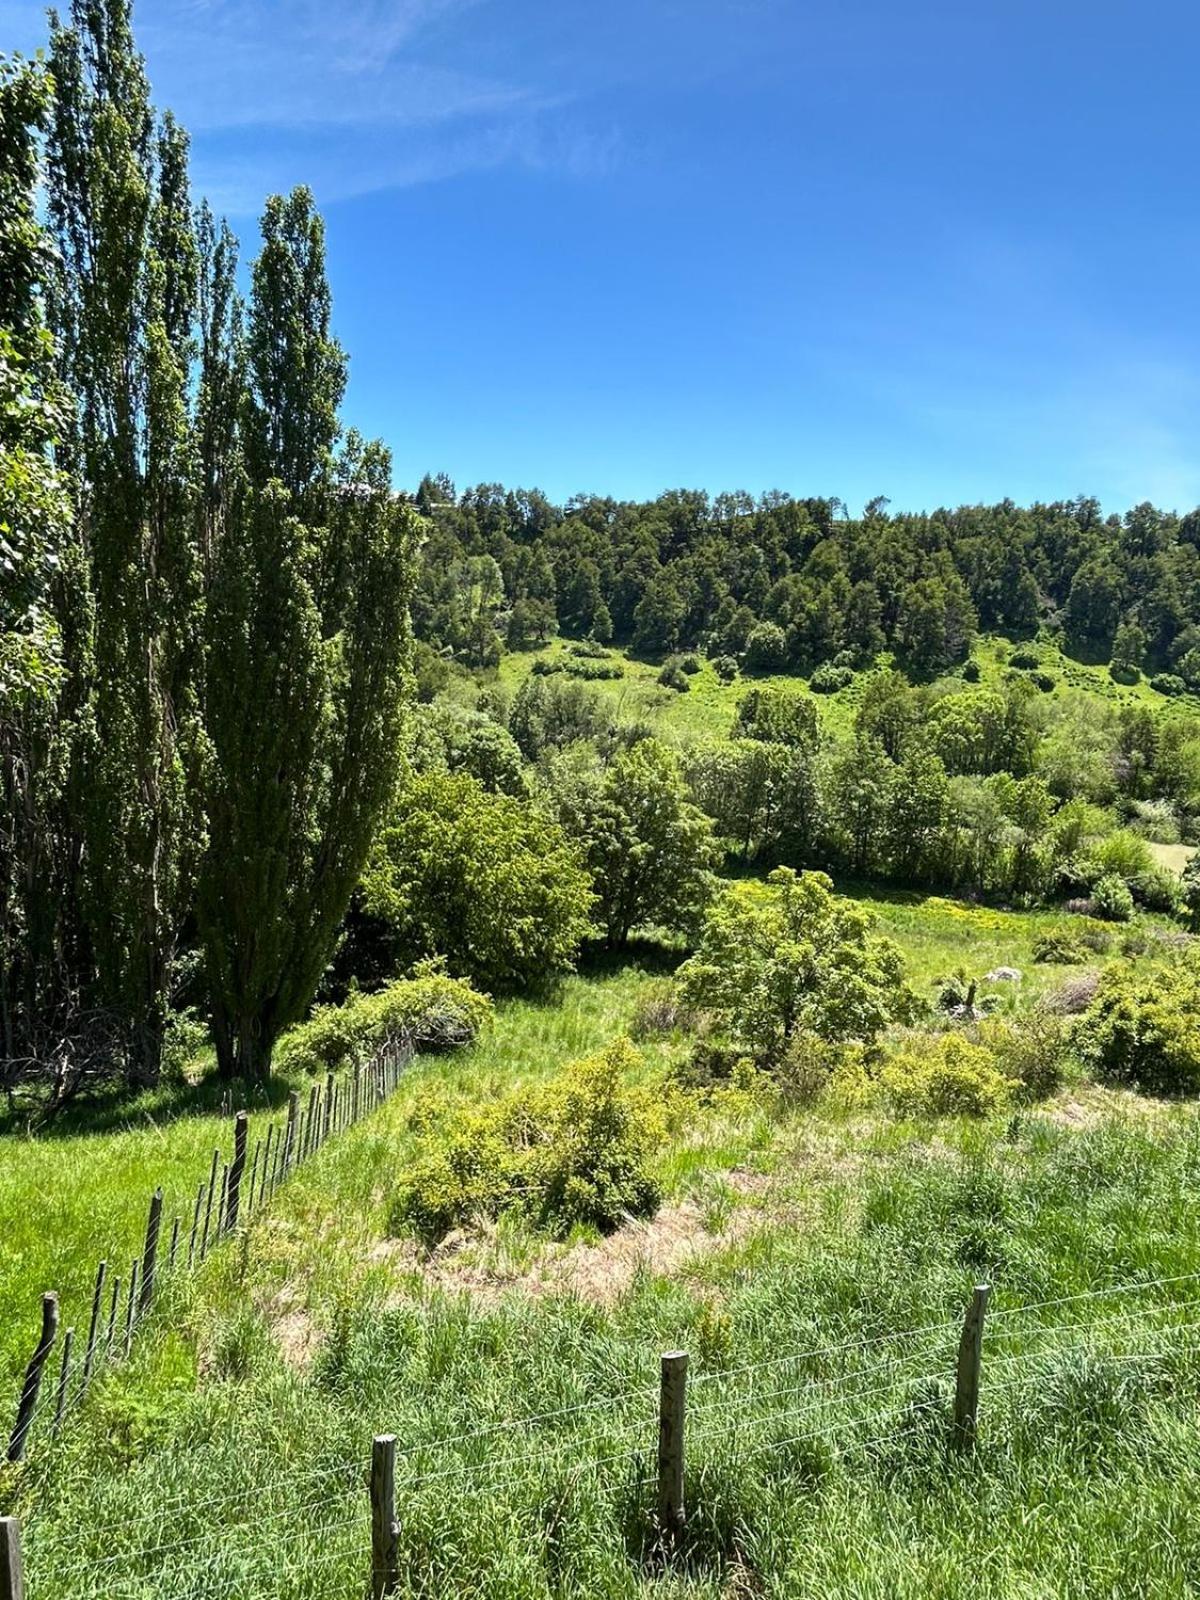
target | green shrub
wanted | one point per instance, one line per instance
(726, 668)
(1168, 683)
(1025, 657)
(828, 679)
(428, 1012)
(674, 677)
(945, 1076)
(1058, 947)
(1033, 1050)
(1112, 900)
(1159, 889)
(1144, 1031)
(970, 671)
(1045, 681)
(690, 663)
(1124, 672)
(592, 671)
(575, 1150)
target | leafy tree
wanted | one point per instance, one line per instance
(917, 813)
(761, 797)
(858, 788)
(117, 198)
(775, 715)
(798, 962)
(305, 657)
(766, 648)
(39, 557)
(484, 880)
(649, 849)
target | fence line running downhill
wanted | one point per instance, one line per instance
(649, 1441)
(65, 1364)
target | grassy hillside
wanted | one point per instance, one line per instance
(707, 708)
(793, 1258)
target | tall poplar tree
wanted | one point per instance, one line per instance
(38, 561)
(118, 201)
(306, 649)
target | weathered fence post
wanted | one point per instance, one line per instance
(970, 1361)
(233, 1193)
(672, 1407)
(33, 1378)
(174, 1243)
(150, 1252)
(385, 1570)
(312, 1127)
(64, 1377)
(195, 1225)
(89, 1355)
(327, 1119)
(12, 1578)
(250, 1187)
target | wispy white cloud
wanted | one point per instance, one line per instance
(349, 96)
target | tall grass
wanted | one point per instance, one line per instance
(818, 1461)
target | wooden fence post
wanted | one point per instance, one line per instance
(33, 1378)
(12, 1578)
(64, 1377)
(327, 1118)
(385, 1570)
(150, 1252)
(672, 1408)
(233, 1194)
(970, 1361)
(89, 1355)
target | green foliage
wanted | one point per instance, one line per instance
(796, 961)
(573, 1150)
(1144, 1030)
(776, 715)
(1058, 946)
(1111, 899)
(944, 1076)
(650, 851)
(486, 881)
(828, 679)
(427, 1012)
(673, 676)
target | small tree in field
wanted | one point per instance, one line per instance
(799, 961)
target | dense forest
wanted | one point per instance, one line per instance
(793, 583)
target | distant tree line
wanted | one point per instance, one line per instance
(790, 584)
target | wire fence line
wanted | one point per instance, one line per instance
(888, 1395)
(68, 1359)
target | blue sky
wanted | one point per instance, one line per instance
(939, 251)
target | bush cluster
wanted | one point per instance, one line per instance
(428, 1012)
(1143, 1031)
(943, 1076)
(575, 1150)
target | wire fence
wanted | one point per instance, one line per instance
(923, 1389)
(238, 1185)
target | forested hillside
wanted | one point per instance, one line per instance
(796, 583)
